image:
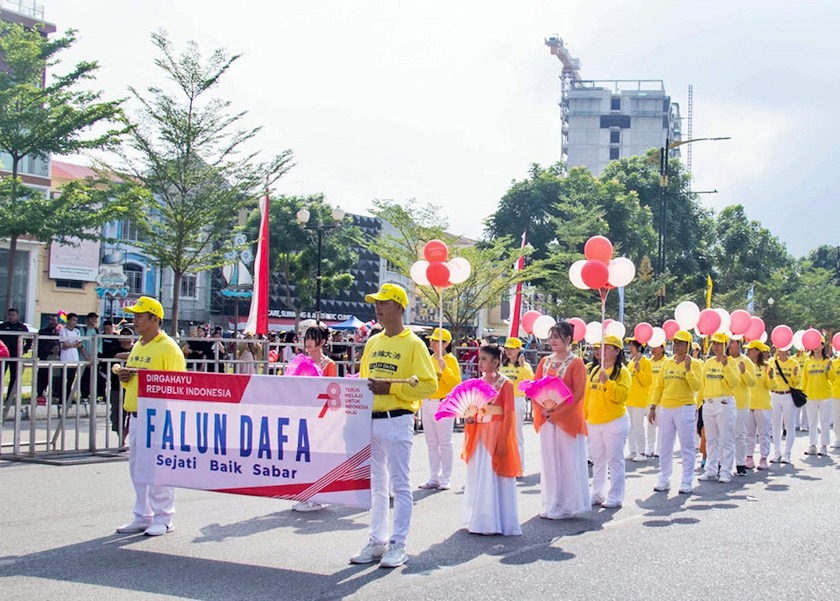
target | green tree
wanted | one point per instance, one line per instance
(294, 259)
(189, 152)
(40, 117)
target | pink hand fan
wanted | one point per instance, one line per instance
(549, 392)
(466, 399)
(302, 365)
(525, 386)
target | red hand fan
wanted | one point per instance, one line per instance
(466, 399)
(549, 392)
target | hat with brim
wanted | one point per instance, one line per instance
(146, 304)
(611, 341)
(513, 343)
(441, 335)
(682, 336)
(389, 292)
(720, 337)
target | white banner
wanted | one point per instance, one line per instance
(297, 438)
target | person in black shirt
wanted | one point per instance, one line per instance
(13, 342)
(44, 350)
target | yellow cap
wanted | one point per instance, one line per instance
(720, 337)
(146, 304)
(612, 341)
(682, 336)
(443, 335)
(513, 343)
(756, 344)
(391, 292)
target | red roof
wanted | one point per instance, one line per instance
(68, 171)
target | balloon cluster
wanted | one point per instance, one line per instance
(783, 337)
(599, 271)
(436, 270)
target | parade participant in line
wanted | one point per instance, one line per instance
(834, 376)
(720, 377)
(816, 384)
(801, 413)
(395, 353)
(314, 340)
(564, 474)
(638, 399)
(741, 392)
(784, 411)
(516, 369)
(438, 433)
(606, 415)
(154, 506)
(673, 404)
(654, 438)
(492, 455)
(758, 424)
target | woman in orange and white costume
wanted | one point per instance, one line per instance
(564, 477)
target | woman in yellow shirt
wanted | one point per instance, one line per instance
(758, 424)
(641, 379)
(742, 392)
(516, 369)
(815, 382)
(606, 415)
(784, 411)
(653, 441)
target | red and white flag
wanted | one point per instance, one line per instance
(258, 315)
(517, 297)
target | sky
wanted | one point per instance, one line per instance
(447, 102)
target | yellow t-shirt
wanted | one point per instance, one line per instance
(746, 382)
(641, 382)
(834, 378)
(791, 370)
(718, 379)
(516, 374)
(447, 379)
(606, 402)
(400, 357)
(159, 354)
(815, 379)
(675, 386)
(760, 393)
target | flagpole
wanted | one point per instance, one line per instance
(517, 297)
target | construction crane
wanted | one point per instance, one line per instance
(568, 77)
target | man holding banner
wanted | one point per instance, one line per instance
(154, 505)
(400, 373)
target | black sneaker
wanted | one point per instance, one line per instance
(740, 470)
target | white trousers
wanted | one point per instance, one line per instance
(152, 503)
(606, 445)
(784, 415)
(676, 422)
(519, 403)
(439, 440)
(636, 435)
(719, 419)
(742, 416)
(390, 455)
(758, 425)
(819, 411)
(835, 404)
(654, 443)
(564, 479)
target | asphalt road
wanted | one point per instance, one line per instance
(771, 535)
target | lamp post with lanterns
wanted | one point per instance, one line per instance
(303, 217)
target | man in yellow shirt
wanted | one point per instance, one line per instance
(154, 506)
(720, 377)
(784, 411)
(396, 353)
(673, 405)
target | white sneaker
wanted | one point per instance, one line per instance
(836, 445)
(776, 459)
(812, 450)
(370, 553)
(686, 489)
(639, 458)
(785, 459)
(630, 456)
(707, 477)
(430, 485)
(307, 506)
(444, 486)
(159, 529)
(134, 526)
(394, 557)
(823, 450)
(725, 478)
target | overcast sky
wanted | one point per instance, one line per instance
(448, 102)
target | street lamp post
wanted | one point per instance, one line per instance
(663, 205)
(303, 218)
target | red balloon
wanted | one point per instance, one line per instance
(580, 328)
(740, 322)
(756, 329)
(434, 251)
(781, 336)
(642, 332)
(835, 341)
(670, 327)
(709, 322)
(528, 320)
(598, 248)
(595, 274)
(811, 339)
(438, 274)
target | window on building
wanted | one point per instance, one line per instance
(613, 154)
(615, 136)
(130, 231)
(615, 103)
(71, 284)
(134, 275)
(610, 121)
(189, 286)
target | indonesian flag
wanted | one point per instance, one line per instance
(517, 297)
(258, 315)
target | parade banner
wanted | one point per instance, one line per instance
(296, 438)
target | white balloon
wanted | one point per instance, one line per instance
(594, 332)
(657, 338)
(687, 314)
(459, 270)
(616, 328)
(542, 325)
(418, 273)
(797, 340)
(763, 337)
(575, 275)
(787, 348)
(725, 320)
(622, 271)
